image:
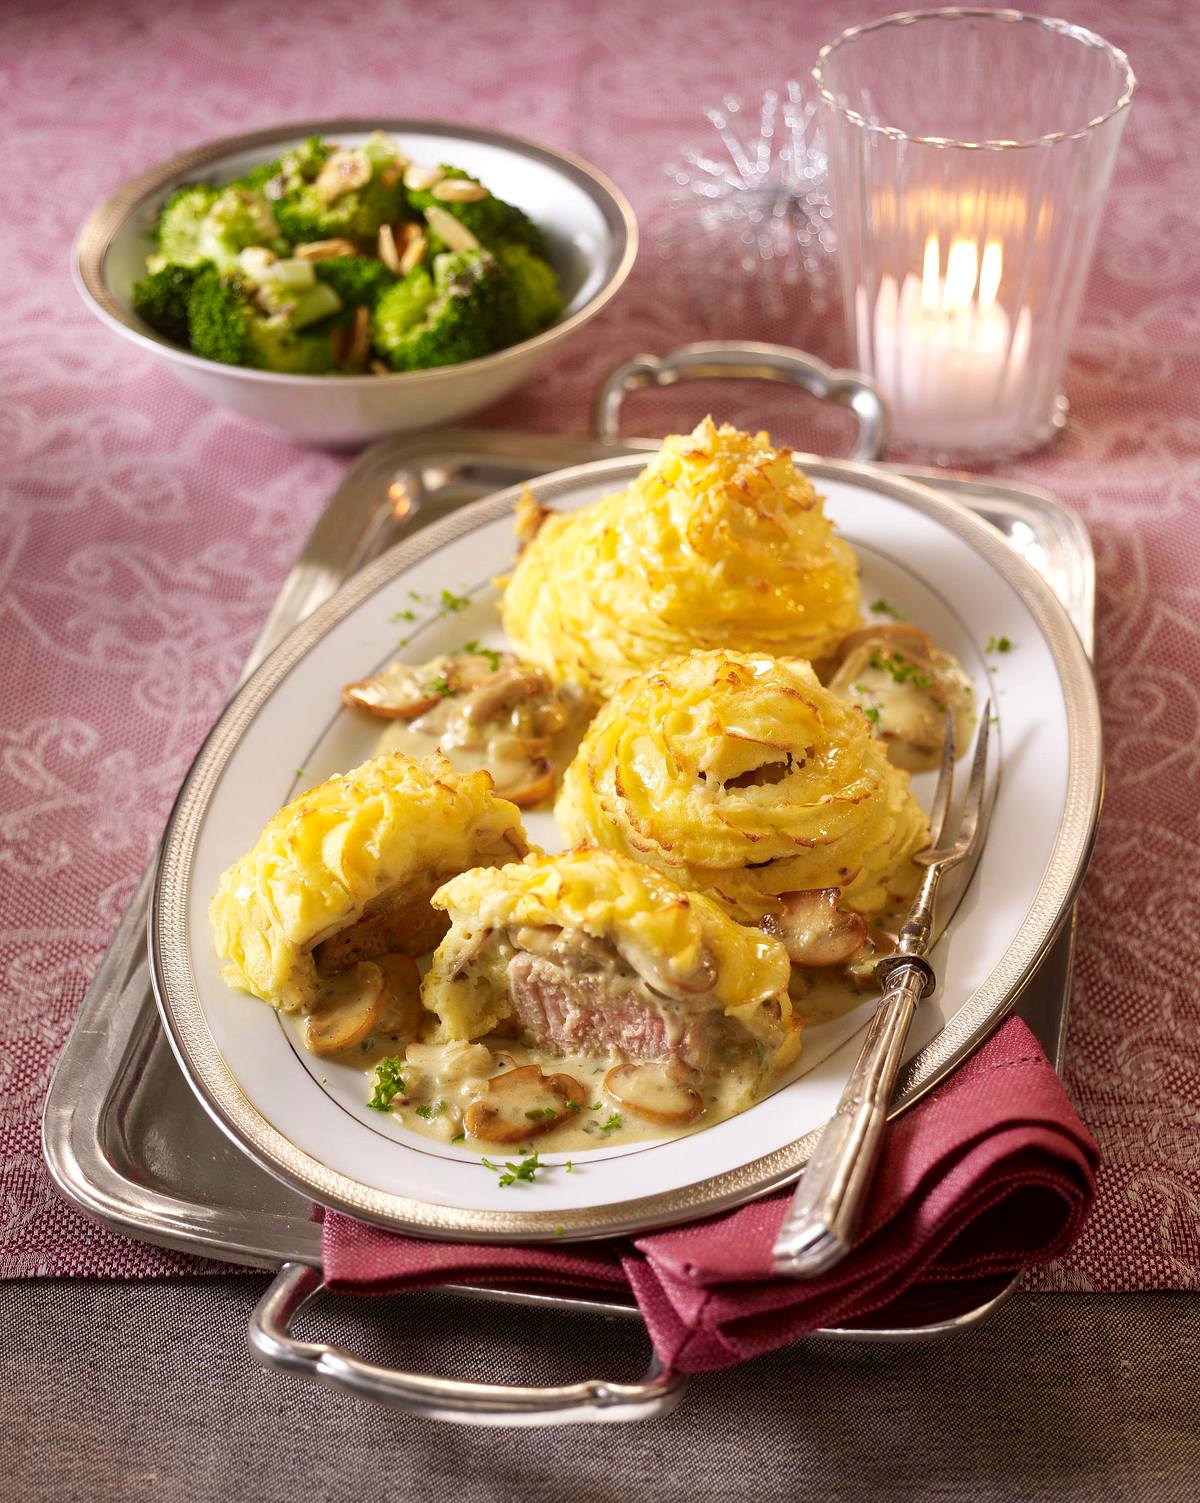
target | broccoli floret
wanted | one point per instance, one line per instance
(161, 299)
(238, 218)
(288, 172)
(462, 311)
(181, 227)
(493, 222)
(224, 325)
(276, 346)
(358, 280)
(317, 210)
(535, 290)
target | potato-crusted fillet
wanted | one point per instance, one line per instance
(350, 865)
(743, 778)
(720, 542)
(589, 951)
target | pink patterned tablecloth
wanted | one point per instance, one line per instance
(143, 534)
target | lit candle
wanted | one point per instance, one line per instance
(947, 356)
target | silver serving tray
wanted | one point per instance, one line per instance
(129, 1144)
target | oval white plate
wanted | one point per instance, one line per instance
(307, 1121)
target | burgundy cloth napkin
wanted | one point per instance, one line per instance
(991, 1174)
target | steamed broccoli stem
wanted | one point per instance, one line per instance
(224, 325)
(460, 313)
(161, 299)
(535, 290)
(493, 222)
(358, 280)
(181, 227)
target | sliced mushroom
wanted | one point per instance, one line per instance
(523, 1104)
(402, 1011)
(503, 691)
(650, 1092)
(349, 1008)
(906, 687)
(398, 692)
(656, 971)
(861, 971)
(899, 636)
(538, 788)
(814, 929)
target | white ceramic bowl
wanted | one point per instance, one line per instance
(591, 239)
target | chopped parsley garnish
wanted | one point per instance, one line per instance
(404, 616)
(542, 1114)
(490, 653)
(570, 1167)
(998, 644)
(560, 1231)
(415, 595)
(885, 608)
(511, 1173)
(613, 1123)
(453, 602)
(458, 1137)
(439, 685)
(902, 671)
(872, 715)
(299, 772)
(388, 1082)
(595, 1106)
(430, 1112)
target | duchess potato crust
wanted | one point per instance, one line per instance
(390, 825)
(719, 542)
(612, 898)
(652, 779)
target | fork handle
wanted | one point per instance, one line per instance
(821, 1221)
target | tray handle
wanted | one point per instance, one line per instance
(720, 358)
(436, 1398)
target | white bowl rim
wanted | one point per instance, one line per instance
(100, 228)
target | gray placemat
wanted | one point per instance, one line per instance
(148, 1392)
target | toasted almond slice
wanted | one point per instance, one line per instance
(359, 344)
(451, 230)
(649, 1092)
(342, 172)
(416, 246)
(349, 1008)
(392, 173)
(458, 190)
(523, 1104)
(420, 178)
(325, 250)
(814, 930)
(389, 254)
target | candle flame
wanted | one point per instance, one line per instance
(965, 272)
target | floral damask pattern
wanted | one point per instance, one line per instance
(143, 534)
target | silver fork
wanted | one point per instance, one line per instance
(821, 1221)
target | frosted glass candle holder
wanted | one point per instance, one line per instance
(969, 155)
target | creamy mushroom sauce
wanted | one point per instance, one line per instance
(481, 710)
(443, 1080)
